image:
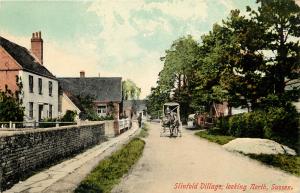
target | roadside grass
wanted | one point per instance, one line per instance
(110, 171)
(215, 137)
(144, 131)
(286, 163)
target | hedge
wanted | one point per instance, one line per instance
(277, 123)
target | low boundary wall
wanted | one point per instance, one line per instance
(23, 152)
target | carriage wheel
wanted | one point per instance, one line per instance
(171, 131)
(176, 131)
(162, 130)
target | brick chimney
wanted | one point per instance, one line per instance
(82, 74)
(37, 45)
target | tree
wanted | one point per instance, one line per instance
(281, 20)
(89, 109)
(235, 62)
(176, 77)
(230, 63)
(11, 108)
(156, 100)
(130, 90)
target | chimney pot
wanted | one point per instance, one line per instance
(82, 74)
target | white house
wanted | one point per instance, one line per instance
(40, 86)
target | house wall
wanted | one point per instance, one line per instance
(37, 98)
(116, 106)
(9, 69)
(8, 78)
(66, 104)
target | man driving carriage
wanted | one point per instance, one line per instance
(171, 118)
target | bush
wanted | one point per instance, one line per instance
(223, 124)
(283, 125)
(108, 117)
(236, 125)
(251, 124)
(10, 107)
(276, 123)
(283, 121)
(89, 114)
(45, 123)
(69, 116)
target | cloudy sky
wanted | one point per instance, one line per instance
(110, 37)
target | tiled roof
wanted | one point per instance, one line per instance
(25, 58)
(102, 89)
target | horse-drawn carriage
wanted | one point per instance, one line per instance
(171, 119)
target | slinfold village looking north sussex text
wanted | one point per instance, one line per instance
(149, 96)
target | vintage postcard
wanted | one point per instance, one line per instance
(149, 96)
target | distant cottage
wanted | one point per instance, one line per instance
(40, 86)
(105, 91)
(134, 108)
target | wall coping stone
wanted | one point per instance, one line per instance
(23, 131)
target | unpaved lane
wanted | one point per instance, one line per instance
(167, 161)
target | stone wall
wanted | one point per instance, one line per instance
(26, 151)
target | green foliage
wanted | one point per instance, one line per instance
(155, 101)
(69, 116)
(176, 78)
(46, 123)
(283, 124)
(281, 19)
(130, 90)
(109, 171)
(11, 108)
(108, 117)
(276, 123)
(229, 64)
(223, 124)
(88, 109)
(287, 163)
(248, 125)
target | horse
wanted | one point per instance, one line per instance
(172, 122)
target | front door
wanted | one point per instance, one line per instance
(41, 107)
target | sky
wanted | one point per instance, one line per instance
(123, 38)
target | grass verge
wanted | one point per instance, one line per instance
(144, 131)
(214, 137)
(110, 171)
(287, 163)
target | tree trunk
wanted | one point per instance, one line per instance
(281, 63)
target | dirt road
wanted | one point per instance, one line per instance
(190, 164)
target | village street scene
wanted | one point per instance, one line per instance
(150, 96)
